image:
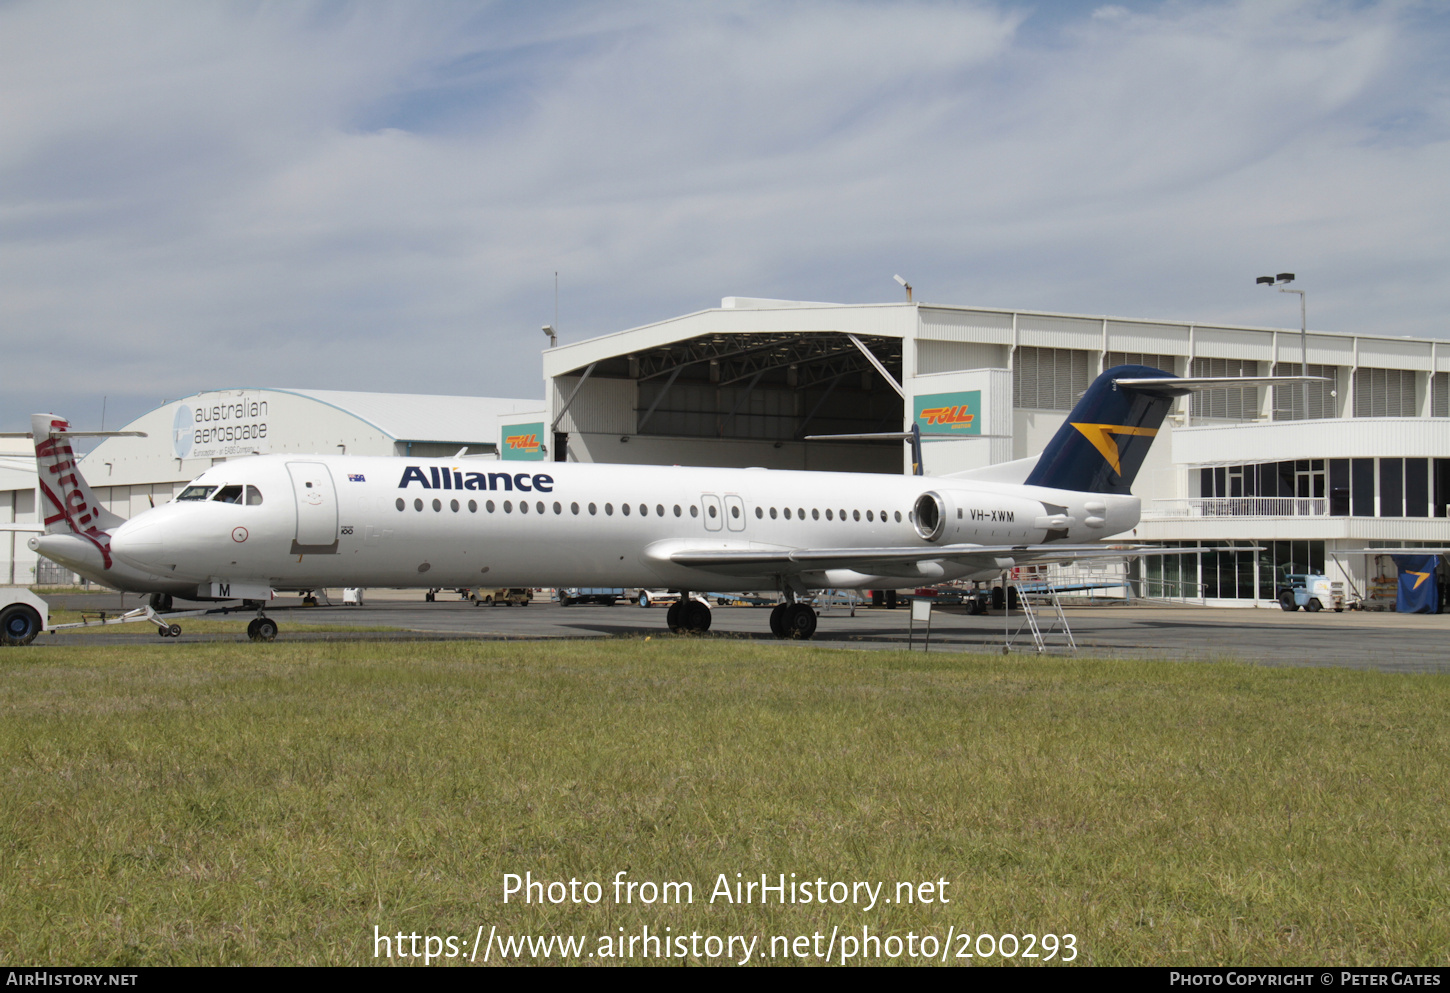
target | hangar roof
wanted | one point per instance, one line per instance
(422, 417)
(745, 338)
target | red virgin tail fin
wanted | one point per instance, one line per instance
(66, 502)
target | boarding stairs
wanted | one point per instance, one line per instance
(1043, 616)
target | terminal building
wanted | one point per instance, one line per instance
(1288, 478)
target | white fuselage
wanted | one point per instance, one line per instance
(392, 522)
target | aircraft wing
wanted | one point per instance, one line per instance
(752, 561)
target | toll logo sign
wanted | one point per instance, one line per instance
(956, 413)
(520, 442)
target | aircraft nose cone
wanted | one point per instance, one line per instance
(139, 545)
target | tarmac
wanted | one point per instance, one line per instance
(1384, 641)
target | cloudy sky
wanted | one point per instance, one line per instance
(376, 196)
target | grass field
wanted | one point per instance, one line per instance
(274, 803)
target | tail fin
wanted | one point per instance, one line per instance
(67, 504)
(1107, 436)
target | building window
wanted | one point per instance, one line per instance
(1440, 394)
(1050, 378)
(1235, 404)
(1384, 393)
(1392, 483)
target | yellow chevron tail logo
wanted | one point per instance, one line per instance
(1423, 576)
(1101, 437)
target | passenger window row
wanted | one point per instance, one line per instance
(800, 514)
(625, 510)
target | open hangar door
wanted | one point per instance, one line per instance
(740, 399)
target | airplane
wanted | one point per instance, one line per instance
(248, 527)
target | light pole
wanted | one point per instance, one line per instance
(905, 285)
(553, 338)
(1288, 277)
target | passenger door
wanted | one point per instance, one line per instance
(734, 512)
(316, 500)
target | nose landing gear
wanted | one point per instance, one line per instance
(262, 629)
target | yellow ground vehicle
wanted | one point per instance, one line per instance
(514, 597)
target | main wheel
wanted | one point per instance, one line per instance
(19, 624)
(800, 621)
(777, 619)
(673, 619)
(696, 616)
(1313, 606)
(161, 602)
(1286, 600)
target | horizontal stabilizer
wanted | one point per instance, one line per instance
(1177, 386)
(77, 434)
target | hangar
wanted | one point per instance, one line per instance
(185, 436)
(1306, 474)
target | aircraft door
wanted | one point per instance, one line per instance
(734, 513)
(710, 510)
(316, 504)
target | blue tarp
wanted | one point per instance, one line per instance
(1418, 592)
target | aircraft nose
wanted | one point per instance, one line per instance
(138, 544)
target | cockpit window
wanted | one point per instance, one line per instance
(197, 492)
(254, 497)
(229, 494)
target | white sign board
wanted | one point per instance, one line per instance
(921, 610)
(218, 425)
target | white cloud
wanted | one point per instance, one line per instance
(377, 196)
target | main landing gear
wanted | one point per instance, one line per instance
(793, 620)
(688, 616)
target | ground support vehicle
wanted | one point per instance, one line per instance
(513, 597)
(1312, 591)
(23, 616)
(606, 595)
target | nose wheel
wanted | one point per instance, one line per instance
(262, 629)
